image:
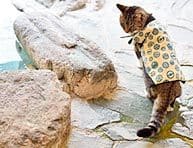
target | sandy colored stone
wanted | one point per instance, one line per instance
(79, 62)
(34, 111)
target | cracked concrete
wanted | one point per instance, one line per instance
(122, 131)
(89, 116)
(86, 138)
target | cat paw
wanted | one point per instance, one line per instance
(145, 132)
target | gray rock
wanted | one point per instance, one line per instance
(171, 143)
(79, 62)
(88, 139)
(121, 131)
(185, 128)
(34, 111)
(89, 116)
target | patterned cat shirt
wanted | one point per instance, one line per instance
(158, 55)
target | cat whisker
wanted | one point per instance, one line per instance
(126, 36)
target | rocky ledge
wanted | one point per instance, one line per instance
(34, 110)
(78, 62)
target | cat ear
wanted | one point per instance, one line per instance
(121, 7)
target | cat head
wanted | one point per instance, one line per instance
(132, 18)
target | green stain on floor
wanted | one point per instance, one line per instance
(125, 118)
(166, 131)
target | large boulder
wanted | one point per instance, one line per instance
(78, 62)
(34, 111)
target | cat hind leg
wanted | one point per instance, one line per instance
(159, 111)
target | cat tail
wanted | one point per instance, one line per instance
(159, 111)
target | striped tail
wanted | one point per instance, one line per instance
(159, 111)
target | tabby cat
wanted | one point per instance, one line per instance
(160, 66)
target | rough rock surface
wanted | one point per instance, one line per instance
(77, 61)
(34, 111)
